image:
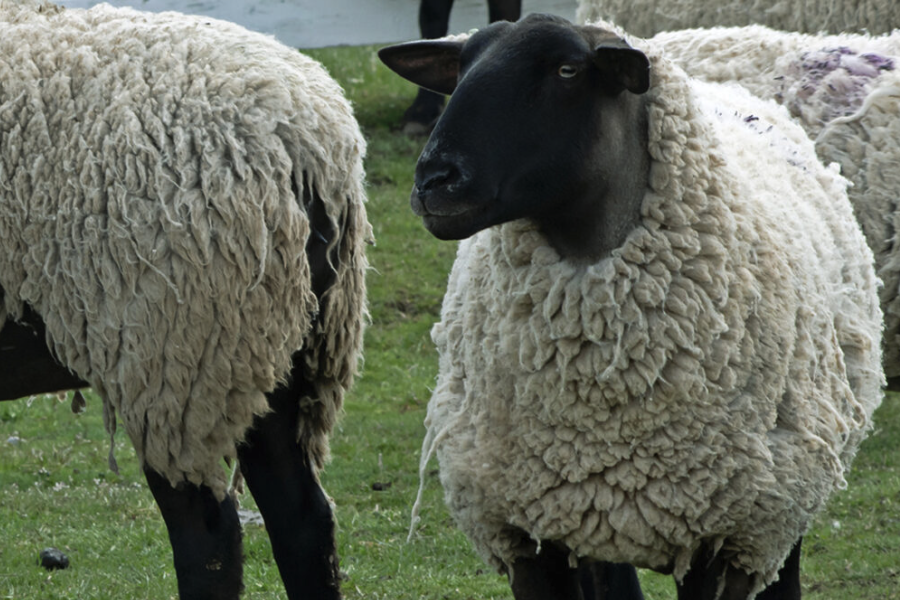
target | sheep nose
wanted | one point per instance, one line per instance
(432, 176)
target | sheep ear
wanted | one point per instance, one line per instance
(431, 64)
(625, 65)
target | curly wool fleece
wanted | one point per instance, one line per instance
(151, 181)
(647, 17)
(708, 382)
(844, 90)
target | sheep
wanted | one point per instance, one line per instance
(660, 340)
(648, 17)
(844, 90)
(183, 229)
(434, 22)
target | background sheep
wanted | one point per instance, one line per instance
(844, 90)
(652, 348)
(647, 17)
(182, 221)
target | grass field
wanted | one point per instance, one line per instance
(55, 489)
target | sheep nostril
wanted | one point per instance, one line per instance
(429, 179)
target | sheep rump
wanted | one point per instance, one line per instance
(153, 175)
(709, 382)
(648, 17)
(844, 90)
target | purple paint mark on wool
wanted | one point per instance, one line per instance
(883, 63)
(830, 83)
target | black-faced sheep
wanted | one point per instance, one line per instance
(660, 342)
(182, 224)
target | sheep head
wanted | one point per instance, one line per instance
(545, 122)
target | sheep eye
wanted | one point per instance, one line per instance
(568, 71)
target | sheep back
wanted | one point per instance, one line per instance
(708, 382)
(648, 17)
(152, 176)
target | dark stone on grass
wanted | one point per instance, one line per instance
(51, 559)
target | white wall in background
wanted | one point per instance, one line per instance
(317, 23)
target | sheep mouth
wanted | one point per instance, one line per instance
(447, 218)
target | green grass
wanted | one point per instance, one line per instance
(55, 488)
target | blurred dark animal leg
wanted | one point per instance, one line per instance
(26, 365)
(705, 577)
(206, 539)
(420, 117)
(296, 511)
(545, 576)
(788, 585)
(709, 572)
(434, 22)
(504, 10)
(434, 18)
(609, 581)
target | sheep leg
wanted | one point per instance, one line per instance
(504, 10)
(709, 573)
(434, 21)
(788, 585)
(296, 511)
(602, 580)
(206, 539)
(26, 365)
(545, 576)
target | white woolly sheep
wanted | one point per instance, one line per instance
(661, 343)
(844, 90)
(182, 223)
(648, 17)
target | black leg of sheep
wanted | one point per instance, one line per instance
(276, 465)
(286, 489)
(709, 572)
(26, 365)
(205, 536)
(548, 575)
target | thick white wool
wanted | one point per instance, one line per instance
(844, 90)
(709, 381)
(648, 17)
(151, 178)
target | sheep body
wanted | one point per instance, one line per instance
(707, 383)
(844, 90)
(648, 17)
(152, 181)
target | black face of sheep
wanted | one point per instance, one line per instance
(545, 122)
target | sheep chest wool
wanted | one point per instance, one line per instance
(156, 177)
(707, 382)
